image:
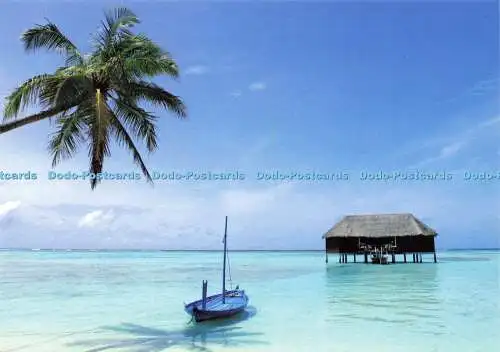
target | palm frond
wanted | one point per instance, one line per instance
(115, 26)
(65, 88)
(140, 122)
(65, 142)
(124, 139)
(121, 17)
(25, 95)
(48, 90)
(150, 67)
(143, 57)
(155, 95)
(49, 36)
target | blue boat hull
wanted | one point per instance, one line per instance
(235, 302)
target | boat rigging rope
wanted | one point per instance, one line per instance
(229, 271)
(228, 266)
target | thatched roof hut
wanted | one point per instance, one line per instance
(380, 225)
(394, 233)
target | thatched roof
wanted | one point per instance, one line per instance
(380, 225)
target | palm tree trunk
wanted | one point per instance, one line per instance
(6, 127)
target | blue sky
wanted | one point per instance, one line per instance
(279, 86)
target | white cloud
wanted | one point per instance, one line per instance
(256, 151)
(249, 201)
(196, 70)
(236, 93)
(451, 146)
(256, 86)
(187, 216)
(7, 207)
(451, 149)
(261, 216)
(95, 218)
(489, 122)
(479, 88)
(484, 86)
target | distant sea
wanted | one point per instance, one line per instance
(133, 301)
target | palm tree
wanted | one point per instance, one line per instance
(96, 97)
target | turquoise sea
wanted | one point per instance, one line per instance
(133, 301)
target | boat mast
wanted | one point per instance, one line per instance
(224, 265)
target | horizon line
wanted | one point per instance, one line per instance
(201, 250)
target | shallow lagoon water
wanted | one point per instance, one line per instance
(133, 301)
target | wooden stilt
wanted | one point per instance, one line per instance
(404, 256)
(326, 257)
(420, 257)
(340, 257)
(354, 257)
(393, 258)
(414, 258)
(366, 257)
(435, 258)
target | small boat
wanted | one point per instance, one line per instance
(222, 305)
